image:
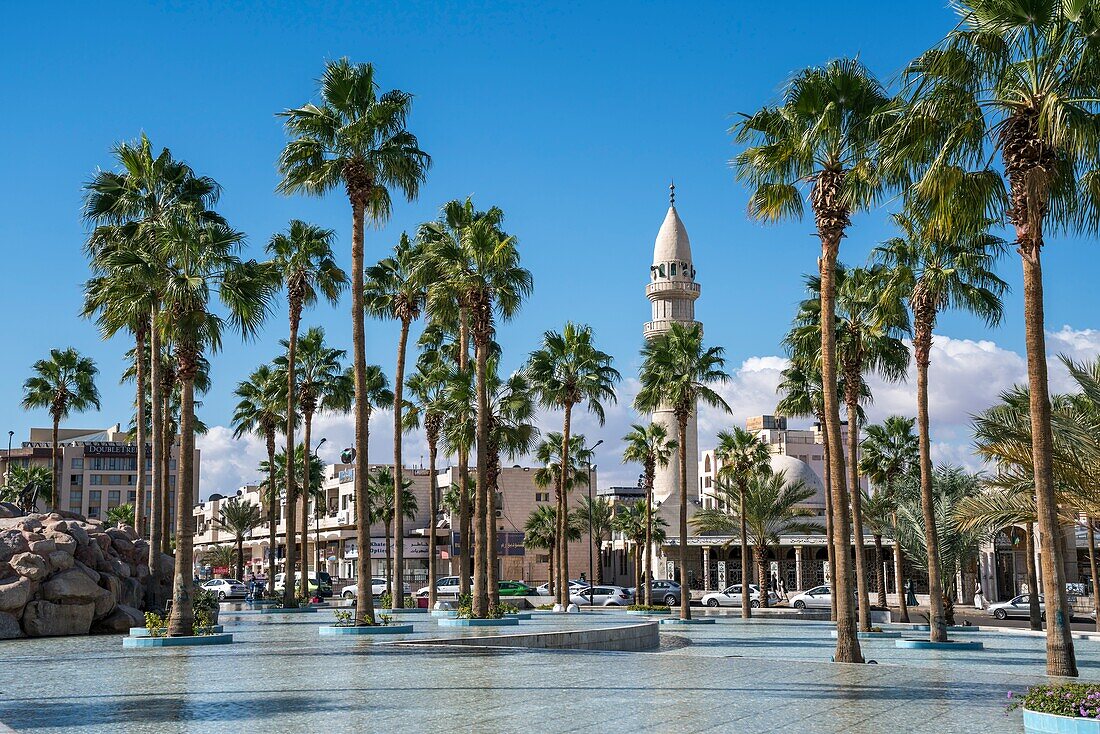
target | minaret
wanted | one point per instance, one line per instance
(672, 290)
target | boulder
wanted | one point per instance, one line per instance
(28, 564)
(47, 619)
(77, 532)
(15, 592)
(59, 560)
(104, 604)
(71, 587)
(93, 575)
(33, 535)
(9, 626)
(43, 547)
(31, 522)
(65, 514)
(133, 593)
(101, 539)
(12, 542)
(115, 623)
(122, 544)
(131, 533)
(113, 584)
(63, 542)
(9, 509)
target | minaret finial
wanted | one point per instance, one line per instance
(672, 194)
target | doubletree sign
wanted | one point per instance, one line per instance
(347, 456)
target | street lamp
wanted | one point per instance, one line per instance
(316, 526)
(591, 567)
(7, 459)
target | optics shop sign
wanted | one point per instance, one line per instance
(412, 548)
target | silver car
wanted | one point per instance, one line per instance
(379, 587)
(1017, 606)
(226, 588)
(602, 596)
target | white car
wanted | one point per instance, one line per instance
(815, 598)
(731, 597)
(574, 585)
(1018, 606)
(601, 596)
(226, 588)
(446, 586)
(378, 588)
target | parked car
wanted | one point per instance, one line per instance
(514, 588)
(731, 597)
(1017, 606)
(447, 586)
(817, 597)
(602, 596)
(664, 592)
(379, 586)
(574, 585)
(319, 585)
(226, 588)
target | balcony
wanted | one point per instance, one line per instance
(660, 326)
(688, 287)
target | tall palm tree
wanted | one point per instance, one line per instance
(358, 138)
(870, 323)
(639, 526)
(394, 290)
(260, 410)
(563, 476)
(771, 507)
(742, 457)
(677, 372)
(426, 389)
(1019, 81)
(377, 395)
(383, 510)
(202, 260)
(62, 384)
(239, 517)
(322, 384)
(597, 515)
(888, 452)
(651, 447)
(303, 258)
(825, 134)
(932, 268)
(878, 514)
(541, 531)
(567, 371)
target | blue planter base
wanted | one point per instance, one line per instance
(144, 631)
(886, 634)
(389, 629)
(445, 613)
(506, 622)
(950, 628)
(689, 621)
(196, 641)
(518, 615)
(1038, 723)
(927, 645)
(280, 610)
(648, 613)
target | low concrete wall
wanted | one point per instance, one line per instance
(625, 638)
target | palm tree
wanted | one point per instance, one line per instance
(239, 517)
(742, 457)
(889, 451)
(302, 256)
(563, 476)
(878, 516)
(220, 556)
(358, 138)
(825, 133)
(376, 394)
(121, 515)
(394, 291)
(382, 510)
(651, 447)
(677, 373)
(932, 268)
(201, 260)
(260, 411)
(566, 371)
(597, 515)
(1020, 82)
(541, 532)
(870, 322)
(771, 508)
(639, 526)
(426, 388)
(61, 384)
(26, 485)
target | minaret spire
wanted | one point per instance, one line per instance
(672, 194)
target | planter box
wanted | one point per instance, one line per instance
(927, 645)
(1039, 723)
(648, 613)
(518, 615)
(950, 627)
(506, 622)
(378, 629)
(144, 631)
(279, 610)
(891, 634)
(689, 621)
(196, 641)
(445, 613)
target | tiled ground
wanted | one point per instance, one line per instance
(280, 676)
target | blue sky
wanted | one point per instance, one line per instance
(572, 118)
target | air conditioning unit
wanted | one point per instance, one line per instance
(343, 518)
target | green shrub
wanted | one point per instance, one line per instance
(506, 608)
(156, 624)
(1080, 700)
(386, 619)
(203, 622)
(344, 619)
(385, 601)
(545, 607)
(465, 606)
(648, 608)
(204, 600)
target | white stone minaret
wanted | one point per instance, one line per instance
(672, 290)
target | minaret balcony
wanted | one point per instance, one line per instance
(659, 288)
(662, 326)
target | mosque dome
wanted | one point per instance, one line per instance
(798, 470)
(672, 244)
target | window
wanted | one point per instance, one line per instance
(93, 512)
(671, 274)
(114, 479)
(172, 464)
(76, 495)
(113, 498)
(542, 496)
(132, 496)
(79, 463)
(95, 496)
(76, 480)
(95, 479)
(131, 479)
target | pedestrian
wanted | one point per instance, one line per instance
(910, 597)
(781, 590)
(979, 597)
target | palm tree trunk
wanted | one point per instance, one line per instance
(464, 521)
(1034, 615)
(289, 601)
(154, 594)
(364, 605)
(762, 577)
(553, 551)
(1061, 659)
(880, 572)
(685, 591)
(830, 546)
(899, 577)
(491, 578)
(746, 603)
(1091, 528)
(139, 498)
(847, 643)
(649, 536)
(433, 511)
(168, 440)
(396, 591)
(481, 510)
(563, 510)
(272, 515)
(389, 557)
(240, 558)
(864, 600)
(307, 431)
(922, 345)
(55, 465)
(182, 620)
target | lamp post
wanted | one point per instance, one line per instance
(7, 459)
(316, 527)
(591, 566)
